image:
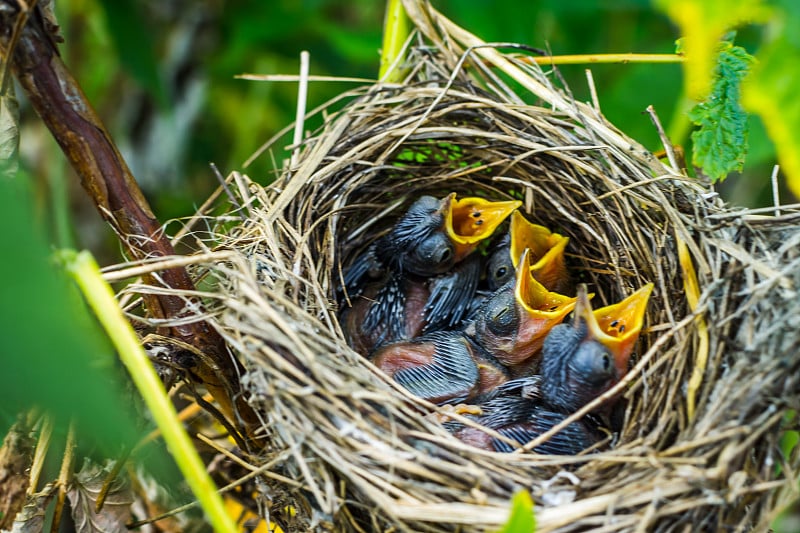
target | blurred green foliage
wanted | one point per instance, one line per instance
(131, 55)
(56, 357)
(772, 89)
(522, 518)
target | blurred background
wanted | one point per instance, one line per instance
(162, 76)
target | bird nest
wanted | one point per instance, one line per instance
(345, 448)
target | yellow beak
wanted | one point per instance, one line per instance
(544, 309)
(616, 326)
(470, 220)
(546, 250)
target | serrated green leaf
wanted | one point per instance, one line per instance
(522, 519)
(703, 23)
(720, 143)
(771, 92)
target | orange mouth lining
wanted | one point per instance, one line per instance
(624, 319)
(470, 220)
(535, 298)
(544, 245)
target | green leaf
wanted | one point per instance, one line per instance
(54, 355)
(134, 44)
(790, 438)
(772, 88)
(703, 23)
(720, 144)
(788, 521)
(522, 519)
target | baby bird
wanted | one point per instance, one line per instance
(505, 336)
(421, 276)
(580, 361)
(547, 256)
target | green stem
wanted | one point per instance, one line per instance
(583, 59)
(83, 268)
(396, 29)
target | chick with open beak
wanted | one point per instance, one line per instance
(546, 251)
(422, 275)
(580, 361)
(512, 324)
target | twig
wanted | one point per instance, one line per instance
(592, 90)
(39, 455)
(582, 59)
(22, 19)
(261, 470)
(776, 193)
(295, 77)
(224, 185)
(691, 288)
(673, 161)
(64, 477)
(162, 263)
(302, 97)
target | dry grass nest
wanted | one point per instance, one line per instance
(352, 451)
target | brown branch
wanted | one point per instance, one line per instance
(58, 99)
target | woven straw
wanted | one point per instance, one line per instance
(350, 450)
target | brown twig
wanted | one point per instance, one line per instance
(64, 477)
(58, 99)
(668, 147)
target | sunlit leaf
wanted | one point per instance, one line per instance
(522, 519)
(703, 23)
(83, 494)
(720, 143)
(771, 92)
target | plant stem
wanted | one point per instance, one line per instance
(396, 29)
(83, 268)
(582, 59)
